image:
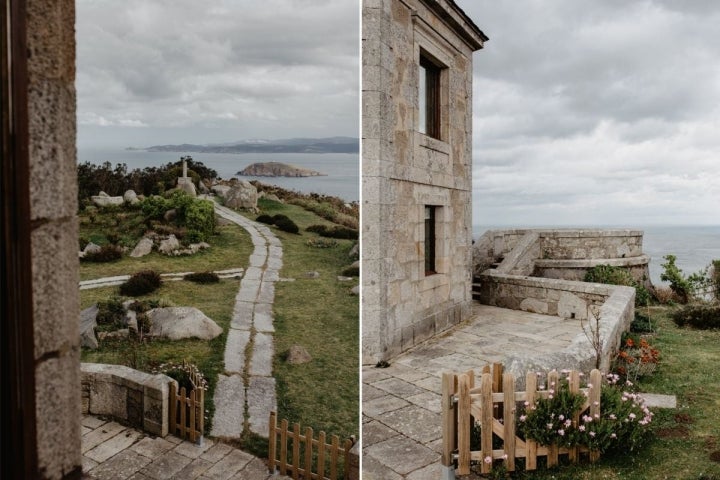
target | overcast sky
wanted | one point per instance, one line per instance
(170, 71)
(594, 112)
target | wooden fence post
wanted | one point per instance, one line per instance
(574, 386)
(283, 446)
(321, 455)
(486, 420)
(448, 419)
(509, 423)
(552, 384)
(464, 419)
(531, 445)
(173, 408)
(307, 473)
(296, 451)
(333, 461)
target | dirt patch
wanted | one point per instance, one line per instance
(715, 456)
(683, 418)
(711, 442)
(673, 432)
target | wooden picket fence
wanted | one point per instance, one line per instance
(493, 405)
(316, 453)
(187, 411)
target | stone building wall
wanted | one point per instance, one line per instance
(53, 205)
(405, 170)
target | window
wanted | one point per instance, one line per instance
(429, 97)
(430, 240)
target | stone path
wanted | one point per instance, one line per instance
(401, 431)
(114, 452)
(245, 393)
(119, 279)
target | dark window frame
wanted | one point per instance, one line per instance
(432, 72)
(430, 232)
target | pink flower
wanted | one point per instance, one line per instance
(568, 422)
(527, 404)
(590, 385)
(523, 418)
(581, 428)
(612, 435)
(505, 457)
(488, 460)
(592, 434)
(562, 417)
(561, 432)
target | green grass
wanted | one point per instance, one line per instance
(682, 439)
(230, 248)
(319, 314)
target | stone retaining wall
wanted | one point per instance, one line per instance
(130, 396)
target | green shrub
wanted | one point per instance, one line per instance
(202, 277)
(642, 324)
(287, 225)
(200, 219)
(700, 315)
(279, 217)
(111, 313)
(182, 202)
(83, 243)
(611, 275)
(155, 206)
(141, 283)
(264, 218)
(334, 232)
(107, 253)
(321, 243)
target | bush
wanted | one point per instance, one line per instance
(141, 283)
(200, 220)
(622, 424)
(111, 313)
(155, 206)
(703, 316)
(642, 324)
(351, 271)
(264, 218)
(321, 243)
(287, 225)
(610, 275)
(334, 232)
(107, 253)
(202, 277)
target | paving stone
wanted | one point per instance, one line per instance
(193, 450)
(370, 393)
(263, 318)
(235, 345)
(242, 318)
(406, 373)
(152, 447)
(256, 468)
(261, 401)
(139, 476)
(375, 432)
(397, 387)
(92, 421)
(659, 401)
(195, 468)
(101, 434)
(252, 275)
(374, 470)
(229, 401)
(166, 467)
(433, 384)
(427, 400)
(271, 275)
(372, 374)
(266, 293)
(88, 463)
(380, 405)
(414, 422)
(229, 465)
(274, 263)
(215, 453)
(121, 466)
(429, 472)
(85, 430)
(114, 445)
(257, 260)
(262, 355)
(401, 455)
(248, 290)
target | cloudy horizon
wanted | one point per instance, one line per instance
(596, 113)
(163, 72)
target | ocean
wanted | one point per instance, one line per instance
(694, 246)
(342, 170)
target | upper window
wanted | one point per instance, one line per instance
(429, 97)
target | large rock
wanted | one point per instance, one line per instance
(143, 247)
(90, 248)
(169, 245)
(176, 323)
(242, 195)
(187, 186)
(297, 355)
(131, 197)
(88, 323)
(220, 189)
(105, 200)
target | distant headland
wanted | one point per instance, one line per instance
(276, 169)
(291, 145)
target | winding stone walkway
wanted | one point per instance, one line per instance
(245, 393)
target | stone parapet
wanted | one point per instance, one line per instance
(129, 396)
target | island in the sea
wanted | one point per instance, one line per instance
(277, 169)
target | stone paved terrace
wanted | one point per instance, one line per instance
(114, 452)
(402, 435)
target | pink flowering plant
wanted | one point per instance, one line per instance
(621, 424)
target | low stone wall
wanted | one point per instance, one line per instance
(576, 269)
(567, 299)
(130, 396)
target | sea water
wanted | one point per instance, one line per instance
(694, 246)
(341, 170)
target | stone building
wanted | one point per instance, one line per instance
(416, 174)
(40, 366)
